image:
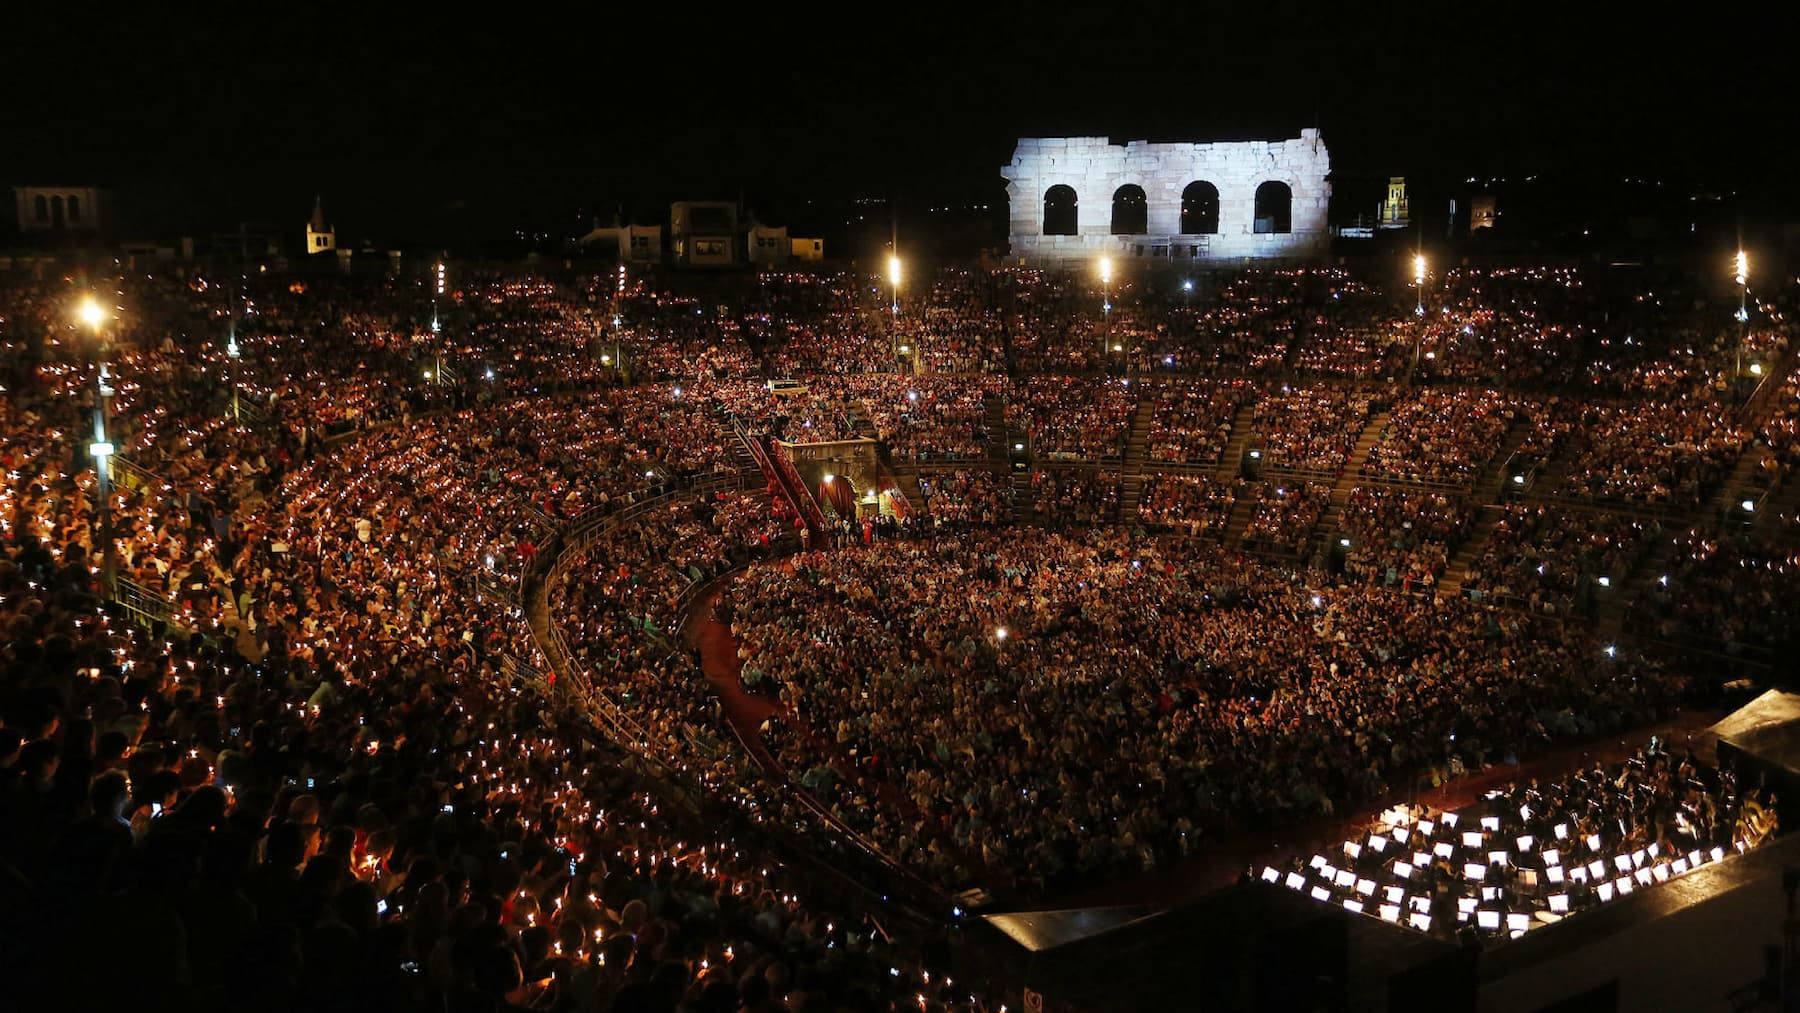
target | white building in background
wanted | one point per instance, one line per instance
(768, 244)
(704, 233)
(49, 209)
(1074, 199)
(320, 237)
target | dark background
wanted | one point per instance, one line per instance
(456, 125)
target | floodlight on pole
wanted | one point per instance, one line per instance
(1106, 276)
(1741, 265)
(91, 313)
(95, 316)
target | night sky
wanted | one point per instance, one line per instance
(437, 121)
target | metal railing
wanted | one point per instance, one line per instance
(133, 477)
(142, 605)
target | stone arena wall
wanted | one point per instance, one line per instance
(1096, 168)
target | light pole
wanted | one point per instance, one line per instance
(1418, 312)
(894, 275)
(436, 293)
(1419, 282)
(231, 353)
(1105, 306)
(95, 316)
(617, 359)
(1742, 263)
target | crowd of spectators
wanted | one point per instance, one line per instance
(1731, 589)
(965, 497)
(1083, 496)
(1066, 706)
(1190, 421)
(930, 419)
(1068, 419)
(1671, 454)
(1198, 506)
(1402, 537)
(347, 789)
(1445, 436)
(1310, 428)
(1285, 515)
(339, 762)
(1552, 561)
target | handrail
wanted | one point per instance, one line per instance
(142, 604)
(796, 491)
(134, 477)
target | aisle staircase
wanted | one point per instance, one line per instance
(1490, 485)
(1242, 509)
(1232, 460)
(1024, 497)
(1347, 480)
(1782, 506)
(908, 483)
(1648, 572)
(996, 426)
(1131, 469)
(1476, 542)
(1735, 488)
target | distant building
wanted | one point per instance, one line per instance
(1483, 212)
(768, 244)
(54, 209)
(1394, 213)
(704, 233)
(320, 237)
(641, 244)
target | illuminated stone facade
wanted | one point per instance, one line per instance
(1225, 202)
(1394, 211)
(57, 208)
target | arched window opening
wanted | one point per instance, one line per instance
(1130, 211)
(56, 211)
(1060, 216)
(1274, 208)
(42, 205)
(1200, 209)
(74, 210)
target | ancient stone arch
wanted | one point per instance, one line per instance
(1130, 211)
(1182, 223)
(1274, 208)
(1062, 215)
(1200, 209)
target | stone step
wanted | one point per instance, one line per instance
(1473, 545)
(1242, 509)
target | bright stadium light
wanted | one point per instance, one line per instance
(1106, 270)
(91, 313)
(894, 271)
